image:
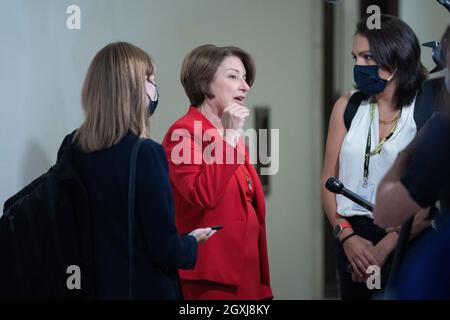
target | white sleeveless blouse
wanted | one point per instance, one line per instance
(351, 157)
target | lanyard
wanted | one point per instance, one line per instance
(380, 145)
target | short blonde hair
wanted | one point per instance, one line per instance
(200, 66)
(114, 97)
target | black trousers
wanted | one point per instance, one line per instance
(350, 290)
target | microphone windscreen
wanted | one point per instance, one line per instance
(334, 185)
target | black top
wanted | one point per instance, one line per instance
(427, 180)
(158, 250)
(427, 174)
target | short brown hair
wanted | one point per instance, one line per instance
(200, 66)
(114, 97)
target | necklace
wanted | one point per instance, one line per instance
(389, 122)
(380, 145)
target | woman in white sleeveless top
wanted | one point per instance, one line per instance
(389, 73)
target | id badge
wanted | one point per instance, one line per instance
(365, 190)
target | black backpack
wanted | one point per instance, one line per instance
(45, 232)
(427, 102)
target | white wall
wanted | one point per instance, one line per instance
(43, 64)
(428, 19)
(346, 16)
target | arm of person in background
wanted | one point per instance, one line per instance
(167, 249)
(359, 251)
(395, 204)
(200, 183)
(387, 245)
(418, 174)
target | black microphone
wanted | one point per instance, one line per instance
(437, 55)
(336, 186)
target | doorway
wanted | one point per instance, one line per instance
(331, 289)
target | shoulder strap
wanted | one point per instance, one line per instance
(131, 199)
(352, 107)
(427, 101)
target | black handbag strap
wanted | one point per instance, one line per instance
(131, 199)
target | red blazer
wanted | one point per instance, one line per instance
(210, 194)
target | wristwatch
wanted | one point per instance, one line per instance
(340, 227)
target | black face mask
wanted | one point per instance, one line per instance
(152, 106)
(368, 81)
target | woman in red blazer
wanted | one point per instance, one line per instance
(213, 181)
